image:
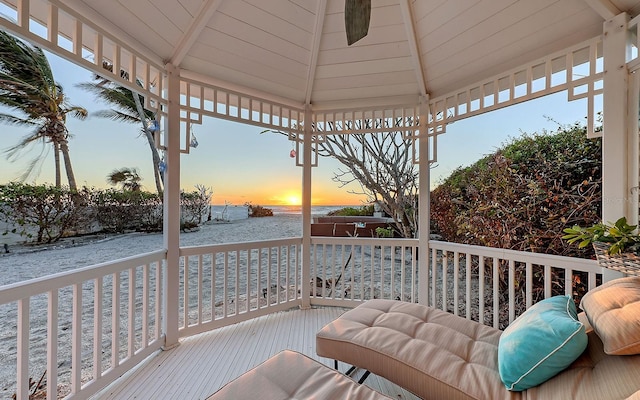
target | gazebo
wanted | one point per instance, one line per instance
(286, 65)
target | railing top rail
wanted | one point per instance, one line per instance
(31, 287)
(519, 256)
(363, 241)
(213, 248)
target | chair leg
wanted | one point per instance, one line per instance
(335, 364)
(350, 370)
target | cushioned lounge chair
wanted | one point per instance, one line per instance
(291, 375)
(437, 355)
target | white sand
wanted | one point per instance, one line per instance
(28, 262)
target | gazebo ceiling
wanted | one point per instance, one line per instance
(297, 49)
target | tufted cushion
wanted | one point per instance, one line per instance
(613, 310)
(432, 353)
(437, 355)
(540, 343)
(291, 375)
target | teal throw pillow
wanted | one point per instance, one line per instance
(540, 343)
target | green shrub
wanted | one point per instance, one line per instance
(352, 211)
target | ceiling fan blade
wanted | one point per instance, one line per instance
(357, 14)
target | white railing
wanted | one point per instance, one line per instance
(348, 271)
(228, 283)
(512, 280)
(64, 326)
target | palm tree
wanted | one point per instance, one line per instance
(28, 87)
(127, 177)
(128, 108)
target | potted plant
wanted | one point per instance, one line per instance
(617, 245)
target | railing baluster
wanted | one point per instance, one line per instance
(496, 292)
(22, 391)
(547, 281)
(76, 339)
(467, 305)
(456, 281)
(145, 305)
(481, 289)
(236, 285)
(185, 292)
(132, 313)
(434, 275)
(225, 284)
(200, 288)
(115, 321)
(529, 284)
(445, 279)
(52, 345)
(512, 290)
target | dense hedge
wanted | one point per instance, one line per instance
(524, 195)
(44, 213)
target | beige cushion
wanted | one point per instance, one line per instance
(437, 355)
(291, 375)
(613, 310)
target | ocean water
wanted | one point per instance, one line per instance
(234, 212)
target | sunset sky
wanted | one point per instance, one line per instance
(241, 165)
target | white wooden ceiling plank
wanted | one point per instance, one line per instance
(507, 25)
(309, 5)
(364, 67)
(241, 78)
(347, 82)
(451, 13)
(363, 53)
(491, 63)
(377, 35)
(252, 67)
(158, 23)
(604, 8)
(192, 6)
(364, 93)
(423, 8)
(518, 37)
(478, 22)
(248, 15)
(176, 13)
(208, 49)
(195, 28)
(228, 27)
(238, 77)
(288, 11)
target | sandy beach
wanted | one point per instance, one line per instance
(28, 262)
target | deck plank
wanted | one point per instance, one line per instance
(203, 363)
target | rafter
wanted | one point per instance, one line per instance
(407, 17)
(315, 48)
(605, 8)
(191, 34)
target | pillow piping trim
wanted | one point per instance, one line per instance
(580, 327)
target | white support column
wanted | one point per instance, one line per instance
(307, 161)
(615, 138)
(171, 219)
(633, 150)
(424, 208)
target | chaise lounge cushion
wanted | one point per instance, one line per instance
(540, 343)
(437, 355)
(613, 310)
(291, 375)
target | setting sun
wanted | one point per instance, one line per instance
(293, 200)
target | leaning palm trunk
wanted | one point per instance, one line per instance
(64, 149)
(152, 144)
(56, 160)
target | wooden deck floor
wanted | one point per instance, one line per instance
(202, 364)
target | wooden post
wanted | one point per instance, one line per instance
(424, 209)
(615, 139)
(171, 218)
(307, 161)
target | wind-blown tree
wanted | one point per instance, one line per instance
(128, 178)
(382, 165)
(127, 108)
(28, 87)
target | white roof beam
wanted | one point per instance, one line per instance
(193, 32)
(407, 17)
(315, 48)
(605, 8)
